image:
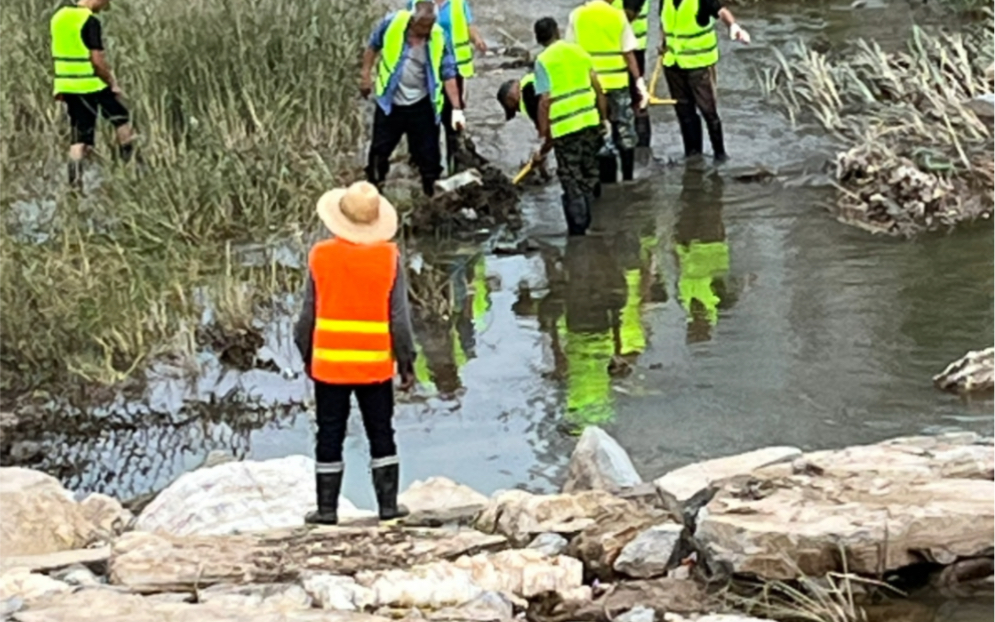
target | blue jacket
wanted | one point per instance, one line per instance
(448, 69)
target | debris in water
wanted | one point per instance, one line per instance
(974, 372)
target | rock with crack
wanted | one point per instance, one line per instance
(684, 483)
(598, 462)
(887, 506)
(440, 501)
(521, 516)
(974, 372)
(239, 497)
(39, 515)
(275, 596)
(599, 545)
(651, 553)
(149, 563)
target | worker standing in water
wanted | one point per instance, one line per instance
(354, 324)
(571, 109)
(605, 33)
(690, 51)
(456, 21)
(415, 66)
(85, 83)
(637, 11)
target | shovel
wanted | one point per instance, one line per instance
(522, 173)
(654, 100)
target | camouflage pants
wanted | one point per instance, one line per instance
(577, 161)
(623, 118)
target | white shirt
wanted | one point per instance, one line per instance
(628, 38)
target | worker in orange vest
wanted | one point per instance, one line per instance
(354, 325)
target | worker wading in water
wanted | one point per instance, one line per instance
(571, 109)
(456, 21)
(605, 33)
(689, 53)
(415, 66)
(355, 323)
(85, 83)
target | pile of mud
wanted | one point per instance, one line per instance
(918, 155)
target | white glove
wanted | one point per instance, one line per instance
(606, 128)
(459, 120)
(644, 94)
(737, 33)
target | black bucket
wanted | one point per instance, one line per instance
(643, 128)
(608, 165)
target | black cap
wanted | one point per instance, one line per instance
(502, 95)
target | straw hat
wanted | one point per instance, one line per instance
(358, 214)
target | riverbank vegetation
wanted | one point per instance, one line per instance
(244, 112)
(916, 156)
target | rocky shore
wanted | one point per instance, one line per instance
(226, 542)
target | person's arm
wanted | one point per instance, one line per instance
(715, 10)
(475, 37)
(542, 88)
(92, 36)
(304, 328)
(373, 47)
(600, 94)
(401, 332)
(629, 44)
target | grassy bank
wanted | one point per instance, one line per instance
(246, 113)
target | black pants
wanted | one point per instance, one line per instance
(694, 90)
(84, 108)
(447, 123)
(376, 405)
(417, 122)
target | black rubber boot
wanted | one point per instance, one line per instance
(329, 485)
(576, 214)
(428, 187)
(691, 135)
(717, 140)
(643, 128)
(597, 190)
(75, 171)
(385, 485)
(628, 158)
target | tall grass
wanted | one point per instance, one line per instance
(245, 113)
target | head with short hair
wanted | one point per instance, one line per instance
(546, 31)
(96, 5)
(423, 18)
(509, 95)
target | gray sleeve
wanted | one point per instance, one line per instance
(304, 329)
(401, 333)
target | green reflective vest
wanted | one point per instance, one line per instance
(393, 46)
(700, 264)
(598, 27)
(589, 391)
(74, 73)
(640, 25)
(689, 46)
(573, 103)
(462, 48)
(528, 79)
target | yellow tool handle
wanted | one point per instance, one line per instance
(522, 173)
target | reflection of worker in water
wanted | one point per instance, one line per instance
(445, 347)
(702, 254)
(593, 316)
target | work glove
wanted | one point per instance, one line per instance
(606, 128)
(459, 120)
(644, 93)
(737, 33)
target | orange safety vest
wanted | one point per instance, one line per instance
(352, 285)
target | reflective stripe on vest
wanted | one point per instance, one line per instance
(573, 103)
(74, 73)
(689, 46)
(700, 264)
(640, 25)
(393, 46)
(599, 27)
(352, 285)
(529, 78)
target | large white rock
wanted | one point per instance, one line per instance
(598, 462)
(29, 586)
(975, 371)
(685, 482)
(276, 596)
(39, 515)
(486, 607)
(523, 572)
(330, 591)
(440, 493)
(549, 543)
(520, 515)
(651, 553)
(239, 497)
(888, 505)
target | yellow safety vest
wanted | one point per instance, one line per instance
(459, 37)
(700, 264)
(529, 78)
(689, 46)
(589, 391)
(640, 25)
(573, 103)
(633, 336)
(598, 27)
(393, 46)
(74, 73)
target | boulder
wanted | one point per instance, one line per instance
(651, 553)
(663, 595)
(523, 572)
(106, 514)
(39, 515)
(520, 516)
(973, 372)
(599, 545)
(29, 586)
(598, 462)
(440, 493)
(330, 591)
(549, 543)
(277, 596)
(486, 607)
(887, 505)
(238, 497)
(684, 483)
